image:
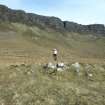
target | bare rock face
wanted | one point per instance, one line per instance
(9, 15)
(97, 28)
(93, 28)
(20, 16)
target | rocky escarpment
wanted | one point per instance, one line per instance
(93, 28)
(9, 15)
(20, 16)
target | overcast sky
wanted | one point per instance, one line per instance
(80, 11)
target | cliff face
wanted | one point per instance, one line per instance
(93, 28)
(20, 16)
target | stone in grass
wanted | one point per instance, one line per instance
(58, 66)
(77, 66)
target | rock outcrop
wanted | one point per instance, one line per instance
(93, 28)
(9, 15)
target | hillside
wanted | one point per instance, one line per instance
(31, 85)
(32, 40)
(22, 43)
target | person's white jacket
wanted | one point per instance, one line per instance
(55, 51)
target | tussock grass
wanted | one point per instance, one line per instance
(31, 85)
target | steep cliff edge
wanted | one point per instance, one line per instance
(9, 15)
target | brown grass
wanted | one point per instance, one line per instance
(23, 44)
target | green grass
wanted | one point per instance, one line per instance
(31, 85)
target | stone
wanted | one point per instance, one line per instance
(90, 75)
(60, 69)
(76, 66)
(60, 65)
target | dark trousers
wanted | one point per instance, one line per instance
(55, 57)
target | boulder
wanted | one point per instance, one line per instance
(58, 67)
(50, 66)
(76, 66)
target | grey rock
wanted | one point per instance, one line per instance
(76, 66)
(97, 29)
(9, 15)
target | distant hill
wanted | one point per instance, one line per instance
(9, 15)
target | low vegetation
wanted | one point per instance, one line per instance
(20, 43)
(32, 85)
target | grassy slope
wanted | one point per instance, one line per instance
(21, 43)
(31, 85)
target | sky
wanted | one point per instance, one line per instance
(80, 11)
